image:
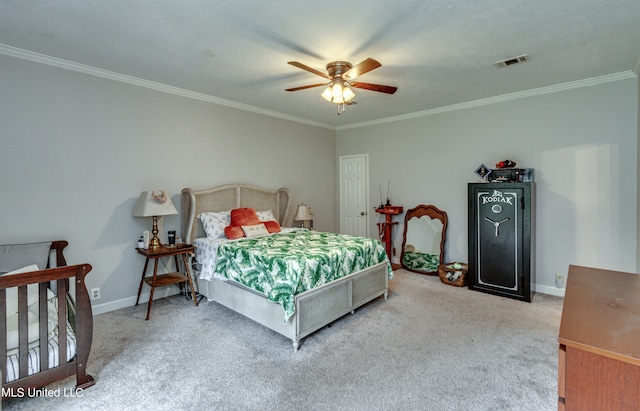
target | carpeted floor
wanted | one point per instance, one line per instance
(430, 346)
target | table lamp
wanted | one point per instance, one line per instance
(153, 204)
(303, 214)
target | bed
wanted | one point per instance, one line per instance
(312, 308)
(45, 319)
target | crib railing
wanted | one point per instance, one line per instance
(72, 304)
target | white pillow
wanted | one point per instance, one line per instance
(254, 230)
(266, 215)
(214, 223)
(32, 291)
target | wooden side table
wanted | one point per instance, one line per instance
(166, 279)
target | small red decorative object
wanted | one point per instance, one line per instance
(505, 164)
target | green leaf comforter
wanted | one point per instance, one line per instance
(284, 264)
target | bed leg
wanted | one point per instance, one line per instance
(296, 345)
(386, 294)
(353, 312)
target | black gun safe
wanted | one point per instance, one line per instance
(501, 239)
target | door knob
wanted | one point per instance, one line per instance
(363, 213)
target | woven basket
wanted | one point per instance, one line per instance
(448, 270)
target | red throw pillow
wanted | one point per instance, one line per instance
(244, 216)
(233, 232)
(240, 217)
(272, 226)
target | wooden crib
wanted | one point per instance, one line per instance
(62, 312)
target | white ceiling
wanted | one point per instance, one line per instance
(438, 53)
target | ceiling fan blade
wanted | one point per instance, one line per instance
(375, 87)
(361, 68)
(309, 69)
(306, 87)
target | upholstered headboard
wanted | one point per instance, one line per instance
(228, 197)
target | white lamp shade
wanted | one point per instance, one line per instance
(326, 94)
(303, 213)
(336, 90)
(338, 93)
(347, 94)
(153, 203)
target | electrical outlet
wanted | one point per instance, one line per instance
(95, 293)
(559, 281)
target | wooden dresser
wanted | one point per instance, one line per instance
(599, 355)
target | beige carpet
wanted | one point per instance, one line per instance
(430, 346)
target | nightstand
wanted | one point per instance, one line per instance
(177, 277)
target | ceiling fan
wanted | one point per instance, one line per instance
(341, 75)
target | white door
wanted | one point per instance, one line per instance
(354, 195)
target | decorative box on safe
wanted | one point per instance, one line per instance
(511, 175)
(501, 239)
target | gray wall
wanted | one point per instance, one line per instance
(582, 143)
(76, 151)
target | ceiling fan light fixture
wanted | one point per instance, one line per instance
(341, 73)
(326, 94)
(347, 94)
(336, 89)
(338, 92)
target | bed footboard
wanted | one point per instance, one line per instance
(74, 318)
(321, 306)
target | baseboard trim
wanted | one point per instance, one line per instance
(169, 291)
(131, 301)
(545, 289)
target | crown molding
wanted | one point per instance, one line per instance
(123, 78)
(498, 99)
(94, 71)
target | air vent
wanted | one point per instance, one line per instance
(511, 61)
